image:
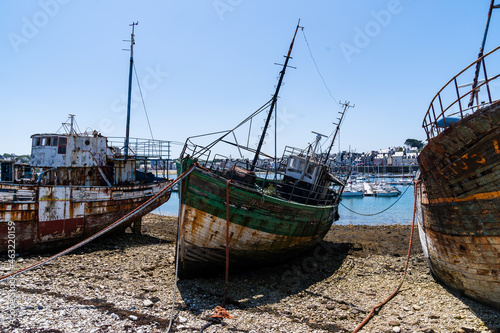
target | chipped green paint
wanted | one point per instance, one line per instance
(255, 210)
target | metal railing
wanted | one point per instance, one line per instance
(144, 148)
(267, 179)
(442, 113)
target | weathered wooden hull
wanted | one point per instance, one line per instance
(36, 218)
(459, 205)
(263, 230)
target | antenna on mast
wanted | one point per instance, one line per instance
(132, 42)
(346, 105)
(70, 127)
(318, 138)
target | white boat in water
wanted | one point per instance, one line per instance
(385, 191)
(353, 190)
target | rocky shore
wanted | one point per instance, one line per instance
(125, 283)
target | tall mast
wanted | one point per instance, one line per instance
(342, 113)
(481, 51)
(132, 42)
(273, 103)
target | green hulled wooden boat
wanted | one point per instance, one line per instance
(261, 212)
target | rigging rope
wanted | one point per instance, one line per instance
(226, 133)
(373, 214)
(118, 222)
(377, 307)
(143, 104)
(219, 312)
(227, 243)
(317, 68)
(177, 249)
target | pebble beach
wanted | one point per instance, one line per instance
(126, 283)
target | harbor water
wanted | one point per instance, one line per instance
(368, 210)
(378, 210)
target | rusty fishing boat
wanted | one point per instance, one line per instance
(458, 191)
(247, 213)
(76, 185)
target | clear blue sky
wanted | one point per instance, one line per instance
(205, 65)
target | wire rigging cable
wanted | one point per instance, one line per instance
(143, 104)
(317, 68)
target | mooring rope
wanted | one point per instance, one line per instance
(385, 209)
(117, 223)
(227, 244)
(177, 249)
(220, 312)
(375, 308)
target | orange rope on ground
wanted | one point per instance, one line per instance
(120, 221)
(377, 307)
(220, 312)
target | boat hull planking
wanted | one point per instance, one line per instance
(458, 205)
(263, 230)
(56, 216)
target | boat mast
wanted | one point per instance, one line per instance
(481, 51)
(273, 103)
(342, 113)
(132, 42)
(71, 129)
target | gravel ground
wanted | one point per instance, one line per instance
(125, 283)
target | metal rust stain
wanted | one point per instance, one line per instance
(64, 214)
(209, 234)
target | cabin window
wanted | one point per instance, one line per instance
(45, 141)
(296, 164)
(310, 169)
(301, 165)
(36, 142)
(61, 149)
(53, 141)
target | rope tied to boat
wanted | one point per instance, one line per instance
(383, 210)
(227, 246)
(112, 226)
(220, 313)
(379, 306)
